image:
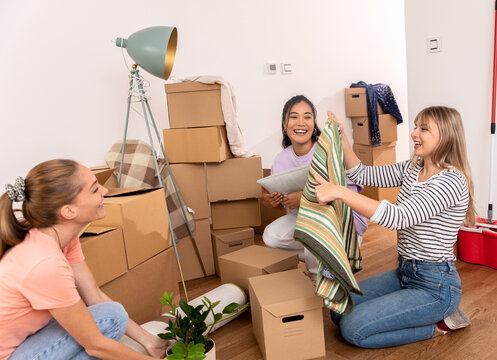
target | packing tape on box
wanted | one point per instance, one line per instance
(226, 294)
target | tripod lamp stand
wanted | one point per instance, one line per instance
(154, 50)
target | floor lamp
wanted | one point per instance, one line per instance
(154, 49)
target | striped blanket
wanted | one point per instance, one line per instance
(329, 231)
(139, 171)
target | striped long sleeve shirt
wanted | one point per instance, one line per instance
(427, 214)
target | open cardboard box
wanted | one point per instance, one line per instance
(142, 214)
(105, 176)
(229, 240)
(103, 247)
(287, 316)
(236, 267)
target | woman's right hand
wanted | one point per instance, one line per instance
(271, 200)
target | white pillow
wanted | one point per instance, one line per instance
(287, 181)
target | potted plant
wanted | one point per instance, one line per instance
(189, 329)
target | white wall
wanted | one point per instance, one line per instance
(64, 83)
(459, 76)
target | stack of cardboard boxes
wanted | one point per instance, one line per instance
(356, 109)
(129, 251)
(221, 190)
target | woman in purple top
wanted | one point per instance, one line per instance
(300, 134)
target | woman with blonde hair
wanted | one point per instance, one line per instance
(50, 304)
(420, 298)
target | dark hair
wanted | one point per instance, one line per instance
(284, 118)
(48, 186)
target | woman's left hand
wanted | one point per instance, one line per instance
(156, 347)
(326, 191)
(292, 200)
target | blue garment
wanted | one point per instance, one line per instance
(378, 93)
(403, 305)
(54, 342)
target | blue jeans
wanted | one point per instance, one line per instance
(401, 306)
(53, 342)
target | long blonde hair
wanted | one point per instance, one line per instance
(48, 186)
(450, 152)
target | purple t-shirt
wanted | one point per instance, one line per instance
(287, 159)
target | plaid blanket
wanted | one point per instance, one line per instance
(139, 171)
(329, 231)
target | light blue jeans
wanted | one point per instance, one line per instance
(401, 306)
(53, 342)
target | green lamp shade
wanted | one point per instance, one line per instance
(153, 49)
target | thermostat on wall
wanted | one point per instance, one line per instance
(271, 68)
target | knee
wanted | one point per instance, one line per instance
(118, 313)
(111, 318)
(269, 237)
(351, 330)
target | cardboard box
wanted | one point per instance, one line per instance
(389, 194)
(287, 316)
(268, 215)
(142, 214)
(238, 213)
(140, 289)
(229, 240)
(191, 182)
(387, 125)
(208, 144)
(103, 248)
(105, 176)
(234, 179)
(190, 265)
(238, 266)
(376, 155)
(356, 103)
(194, 104)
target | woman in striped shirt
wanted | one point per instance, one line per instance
(419, 299)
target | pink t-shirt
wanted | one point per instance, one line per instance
(35, 276)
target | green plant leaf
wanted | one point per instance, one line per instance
(218, 317)
(196, 351)
(206, 301)
(178, 351)
(216, 304)
(231, 308)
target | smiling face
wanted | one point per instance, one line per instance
(88, 205)
(426, 137)
(299, 124)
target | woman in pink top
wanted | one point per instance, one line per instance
(50, 304)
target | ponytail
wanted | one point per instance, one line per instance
(12, 230)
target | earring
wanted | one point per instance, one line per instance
(314, 131)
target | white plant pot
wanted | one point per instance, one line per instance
(211, 355)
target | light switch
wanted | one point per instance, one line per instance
(286, 68)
